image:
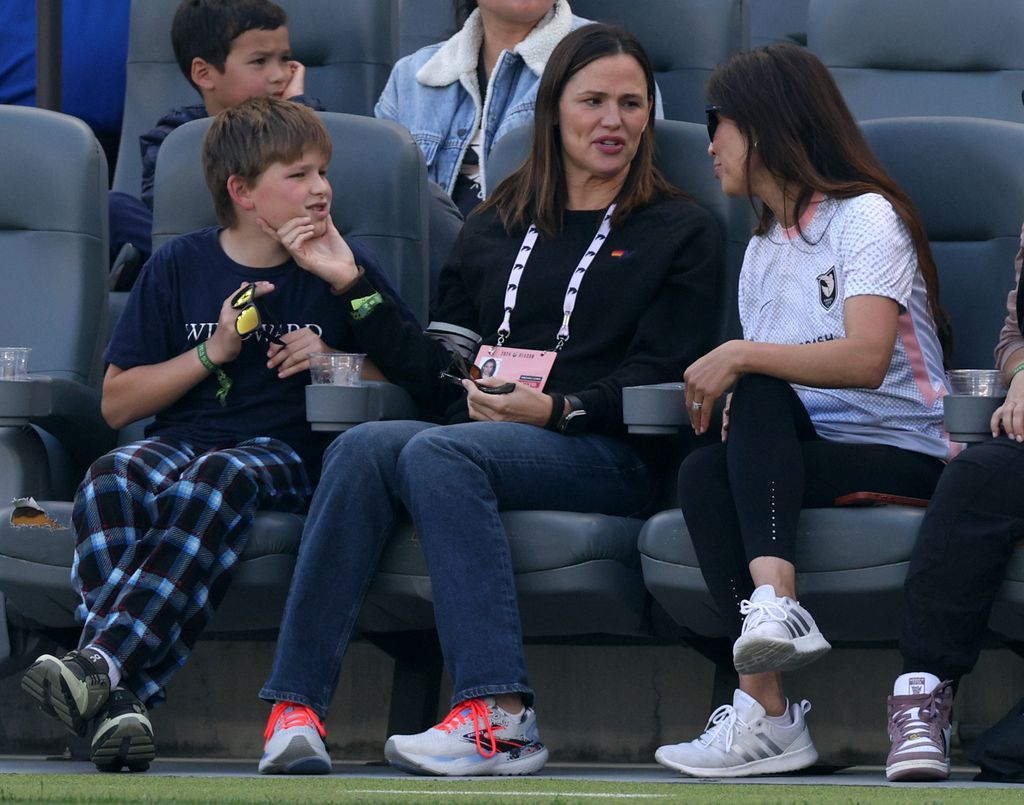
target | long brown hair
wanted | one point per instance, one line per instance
(538, 191)
(784, 100)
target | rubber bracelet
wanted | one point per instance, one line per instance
(1019, 368)
(222, 378)
(364, 306)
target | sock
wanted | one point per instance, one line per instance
(785, 720)
(917, 683)
(113, 669)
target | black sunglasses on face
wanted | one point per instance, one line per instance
(713, 113)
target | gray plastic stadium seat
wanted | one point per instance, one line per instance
(54, 273)
(347, 46)
(778, 21)
(967, 179)
(685, 39)
(422, 23)
(53, 237)
(923, 57)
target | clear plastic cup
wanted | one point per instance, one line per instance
(14, 363)
(336, 368)
(977, 382)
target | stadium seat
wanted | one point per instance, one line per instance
(422, 23)
(54, 271)
(778, 21)
(923, 57)
(967, 179)
(347, 46)
(685, 39)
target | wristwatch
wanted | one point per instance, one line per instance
(575, 421)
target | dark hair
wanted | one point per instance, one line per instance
(537, 191)
(463, 8)
(785, 101)
(248, 138)
(205, 29)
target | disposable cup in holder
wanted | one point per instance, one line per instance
(976, 393)
(14, 363)
(336, 368)
(977, 382)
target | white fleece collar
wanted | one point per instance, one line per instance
(459, 55)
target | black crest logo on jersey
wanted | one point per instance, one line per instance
(827, 288)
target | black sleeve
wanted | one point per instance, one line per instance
(400, 348)
(672, 332)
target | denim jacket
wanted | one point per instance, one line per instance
(434, 92)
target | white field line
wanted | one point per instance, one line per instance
(482, 794)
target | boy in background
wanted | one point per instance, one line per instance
(230, 51)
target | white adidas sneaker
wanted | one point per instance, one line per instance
(778, 634)
(740, 740)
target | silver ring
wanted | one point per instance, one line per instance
(696, 406)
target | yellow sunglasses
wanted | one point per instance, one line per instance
(250, 317)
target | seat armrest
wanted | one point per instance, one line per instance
(337, 408)
(65, 408)
(660, 408)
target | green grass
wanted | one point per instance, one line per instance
(123, 788)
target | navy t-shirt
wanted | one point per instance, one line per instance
(175, 305)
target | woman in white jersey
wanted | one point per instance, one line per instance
(835, 388)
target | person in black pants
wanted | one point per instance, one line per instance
(837, 383)
(968, 535)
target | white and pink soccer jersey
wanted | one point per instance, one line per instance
(793, 289)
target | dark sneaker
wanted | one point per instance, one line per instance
(72, 690)
(740, 741)
(778, 634)
(124, 736)
(294, 742)
(919, 729)
(476, 737)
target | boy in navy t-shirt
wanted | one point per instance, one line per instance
(160, 523)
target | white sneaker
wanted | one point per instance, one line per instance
(778, 634)
(294, 742)
(740, 740)
(476, 737)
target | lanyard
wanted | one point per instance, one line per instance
(569, 303)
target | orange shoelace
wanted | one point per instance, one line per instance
(478, 711)
(300, 716)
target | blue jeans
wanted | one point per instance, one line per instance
(453, 480)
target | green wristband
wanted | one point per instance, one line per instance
(364, 306)
(222, 378)
(1019, 368)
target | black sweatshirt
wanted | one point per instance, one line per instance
(646, 308)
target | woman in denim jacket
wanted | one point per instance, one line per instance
(460, 96)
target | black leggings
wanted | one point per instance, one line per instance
(741, 499)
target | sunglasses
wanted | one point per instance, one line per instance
(713, 112)
(460, 369)
(250, 317)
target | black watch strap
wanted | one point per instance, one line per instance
(575, 419)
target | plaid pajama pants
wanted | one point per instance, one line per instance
(159, 528)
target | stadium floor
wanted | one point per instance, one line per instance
(645, 773)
